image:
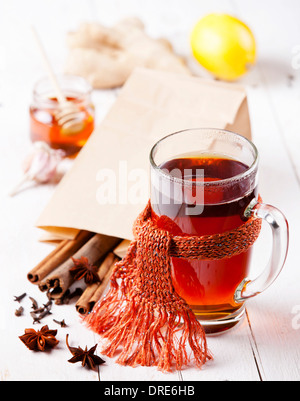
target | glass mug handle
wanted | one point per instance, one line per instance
(280, 232)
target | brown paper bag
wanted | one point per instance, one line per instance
(150, 106)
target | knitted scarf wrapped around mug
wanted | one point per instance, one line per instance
(142, 317)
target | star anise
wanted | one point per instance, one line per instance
(86, 357)
(39, 340)
(84, 270)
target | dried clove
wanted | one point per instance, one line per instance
(62, 324)
(47, 306)
(37, 319)
(35, 305)
(39, 310)
(20, 298)
(19, 312)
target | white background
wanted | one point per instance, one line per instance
(266, 346)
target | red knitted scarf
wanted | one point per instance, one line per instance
(142, 317)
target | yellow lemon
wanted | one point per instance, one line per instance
(223, 45)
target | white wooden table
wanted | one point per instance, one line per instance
(266, 346)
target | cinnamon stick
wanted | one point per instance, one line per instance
(95, 249)
(84, 305)
(122, 248)
(102, 287)
(63, 251)
(43, 287)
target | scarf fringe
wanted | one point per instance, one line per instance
(142, 333)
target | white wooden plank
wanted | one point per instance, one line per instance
(272, 102)
(233, 358)
(111, 371)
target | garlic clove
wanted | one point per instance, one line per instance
(40, 165)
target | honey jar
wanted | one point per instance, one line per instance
(53, 122)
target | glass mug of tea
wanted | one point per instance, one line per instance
(204, 182)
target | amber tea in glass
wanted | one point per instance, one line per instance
(204, 182)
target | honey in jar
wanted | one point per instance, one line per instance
(45, 121)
